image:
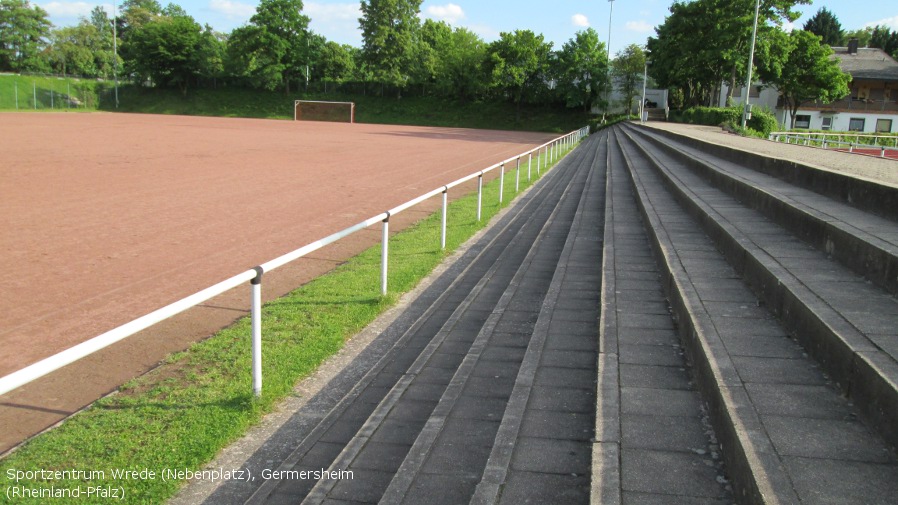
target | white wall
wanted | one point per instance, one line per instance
(840, 120)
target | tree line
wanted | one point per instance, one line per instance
(276, 50)
(704, 44)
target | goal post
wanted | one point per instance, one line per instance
(317, 110)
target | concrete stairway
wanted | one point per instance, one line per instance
(779, 331)
(657, 321)
(432, 421)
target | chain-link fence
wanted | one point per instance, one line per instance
(43, 92)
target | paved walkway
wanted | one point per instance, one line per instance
(868, 167)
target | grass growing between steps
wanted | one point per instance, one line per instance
(180, 415)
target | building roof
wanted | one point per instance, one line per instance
(868, 63)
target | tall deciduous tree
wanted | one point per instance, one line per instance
(827, 26)
(705, 42)
(166, 49)
(516, 63)
(884, 38)
(627, 69)
(336, 63)
(23, 32)
(582, 70)
(459, 69)
(389, 30)
(808, 73)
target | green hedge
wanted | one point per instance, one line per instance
(762, 121)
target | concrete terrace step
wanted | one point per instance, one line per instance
(654, 439)
(372, 429)
(541, 453)
(865, 243)
(848, 325)
(788, 436)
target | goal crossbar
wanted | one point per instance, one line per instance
(321, 110)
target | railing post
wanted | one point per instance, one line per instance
(445, 210)
(529, 160)
(384, 255)
(882, 152)
(501, 181)
(479, 195)
(517, 175)
(542, 160)
(256, 318)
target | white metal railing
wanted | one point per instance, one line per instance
(551, 149)
(826, 140)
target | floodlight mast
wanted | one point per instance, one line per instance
(751, 58)
(115, 49)
(608, 52)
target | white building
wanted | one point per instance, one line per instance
(870, 106)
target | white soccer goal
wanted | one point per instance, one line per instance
(316, 110)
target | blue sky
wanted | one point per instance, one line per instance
(632, 21)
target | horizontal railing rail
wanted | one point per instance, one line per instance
(552, 150)
(826, 140)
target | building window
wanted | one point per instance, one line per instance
(827, 123)
(803, 121)
(856, 124)
(884, 125)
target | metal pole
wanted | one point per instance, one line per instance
(751, 58)
(517, 175)
(256, 316)
(529, 160)
(34, 93)
(115, 49)
(645, 77)
(608, 58)
(501, 181)
(384, 253)
(479, 195)
(16, 84)
(445, 210)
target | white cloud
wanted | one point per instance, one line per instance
(67, 10)
(333, 13)
(579, 20)
(638, 26)
(891, 22)
(337, 22)
(450, 13)
(788, 26)
(232, 9)
(486, 32)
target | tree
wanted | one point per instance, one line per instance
(826, 25)
(862, 35)
(275, 47)
(165, 50)
(516, 62)
(706, 42)
(336, 63)
(460, 68)
(808, 73)
(23, 31)
(582, 70)
(885, 39)
(627, 70)
(389, 28)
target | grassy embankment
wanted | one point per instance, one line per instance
(182, 414)
(233, 102)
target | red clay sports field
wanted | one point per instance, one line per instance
(106, 217)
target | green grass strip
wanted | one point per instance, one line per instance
(179, 416)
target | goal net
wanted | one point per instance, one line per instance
(313, 110)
